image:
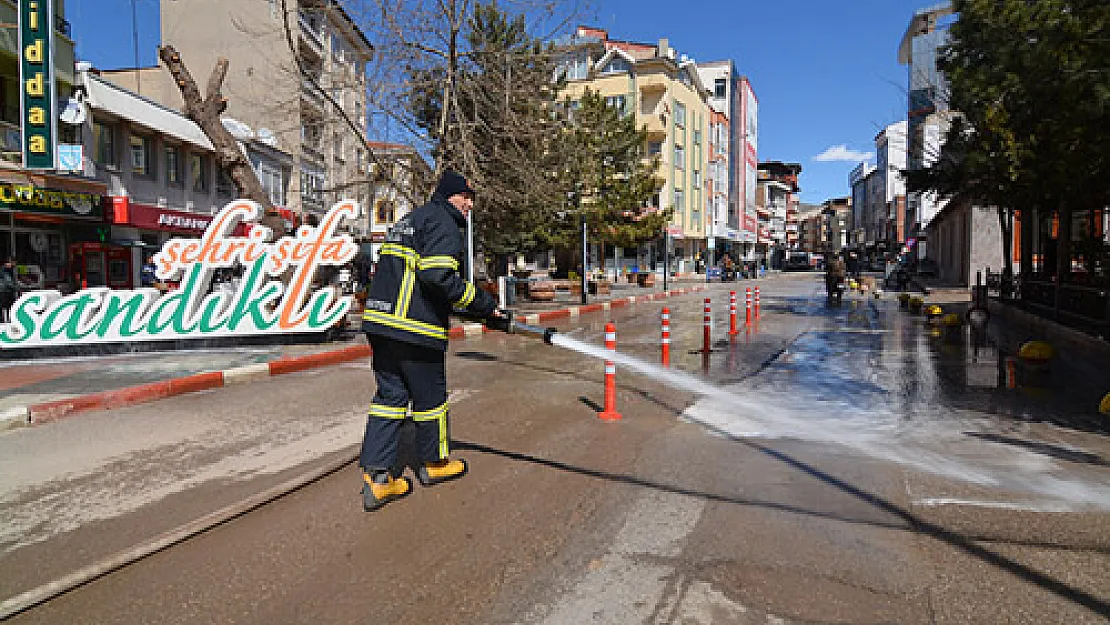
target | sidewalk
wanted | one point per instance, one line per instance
(40, 390)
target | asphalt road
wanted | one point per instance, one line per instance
(854, 472)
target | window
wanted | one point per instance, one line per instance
(224, 184)
(679, 114)
(577, 67)
(615, 102)
(697, 137)
(142, 156)
(616, 66)
(697, 178)
(272, 182)
(105, 139)
(174, 174)
(198, 172)
(679, 202)
(654, 148)
(385, 212)
(720, 86)
(679, 157)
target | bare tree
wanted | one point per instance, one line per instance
(205, 110)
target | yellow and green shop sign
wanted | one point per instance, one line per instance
(36, 78)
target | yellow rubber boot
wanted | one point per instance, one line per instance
(432, 473)
(382, 488)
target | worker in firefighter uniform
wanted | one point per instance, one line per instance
(415, 288)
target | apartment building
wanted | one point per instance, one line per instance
(266, 90)
(776, 206)
(43, 211)
(858, 179)
(399, 178)
(890, 161)
(664, 90)
(928, 117)
(727, 208)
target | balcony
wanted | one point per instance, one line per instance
(653, 84)
(311, 34)
(312, 95)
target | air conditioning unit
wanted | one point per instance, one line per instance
(162, 203)
(189, 205)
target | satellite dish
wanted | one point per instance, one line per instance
(74, 112)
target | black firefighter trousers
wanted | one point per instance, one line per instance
(405, 373)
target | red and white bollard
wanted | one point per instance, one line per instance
(748, 306)
(610, 412)
(757, 303)
(732, 314)
(665, 341)
(708, 320)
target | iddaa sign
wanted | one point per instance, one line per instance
(262, 305)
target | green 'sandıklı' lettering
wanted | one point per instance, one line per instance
(73, 310)
(253, 304)
(179, 301)
(318, 301)
(132, 309)
(210, 318)
(25, 322)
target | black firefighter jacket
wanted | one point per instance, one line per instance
(417, 282)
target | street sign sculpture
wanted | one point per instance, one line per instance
(261, 305)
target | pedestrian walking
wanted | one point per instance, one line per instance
(415, 288)
(146, 274)
(9, 289)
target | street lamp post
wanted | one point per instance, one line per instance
(585, 252)
(666, 255)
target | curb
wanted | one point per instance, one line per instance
(144, 393)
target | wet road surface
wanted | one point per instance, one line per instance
(853, 468)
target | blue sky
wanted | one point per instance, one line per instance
(826, 73)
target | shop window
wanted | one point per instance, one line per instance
(174, 174)
(104, 138)
(198, 172)
(142, 156)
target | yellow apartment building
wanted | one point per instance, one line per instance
(663, 90)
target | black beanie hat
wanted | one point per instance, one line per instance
(452, 182)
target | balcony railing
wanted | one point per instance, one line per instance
(311, 33)
(312, 94)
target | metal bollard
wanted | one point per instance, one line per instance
(610, 412)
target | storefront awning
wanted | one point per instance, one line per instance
(109, 98)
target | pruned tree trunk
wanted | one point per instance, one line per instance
(205, 111)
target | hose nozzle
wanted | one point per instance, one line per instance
(536, 332)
